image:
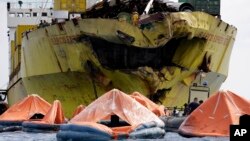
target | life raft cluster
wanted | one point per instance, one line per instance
(115, 115)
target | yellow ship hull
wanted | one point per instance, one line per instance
(77, 61)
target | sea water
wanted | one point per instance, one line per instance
(24, 136)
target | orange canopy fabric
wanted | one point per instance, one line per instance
(215, 115)
(157, 109)
(55, 114)
(78, 110)
(26, 108)
(117, 103)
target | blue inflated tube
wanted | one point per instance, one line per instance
(80, 132)
(80, 136)
(149, 130)
(172, 124)
(11, 123)
(146, 125)
(8, 126)
(40, 127)
(148, 133)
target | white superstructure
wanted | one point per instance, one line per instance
(30, 13)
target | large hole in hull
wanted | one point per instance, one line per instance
(120, 56)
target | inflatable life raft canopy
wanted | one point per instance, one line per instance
(142, 123)
(215, 115)
(49, 123)
(156, 109)
(31, 107)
